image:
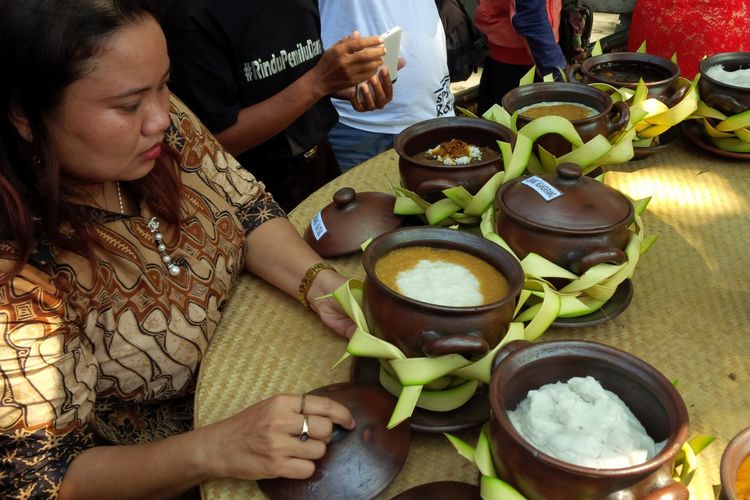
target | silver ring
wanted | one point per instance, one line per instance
(305, 429)
(302, 404)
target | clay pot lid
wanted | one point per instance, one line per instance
(350, 220)
(358, 464)
(566, 202)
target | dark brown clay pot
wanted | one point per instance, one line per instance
(652, 398)
(659, 74)
(584, 225)
(422, 329)
(428, 179)
(736, 451)
(729, 99)
(611, 117)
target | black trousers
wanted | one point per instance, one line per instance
(292, 181)
(497, 79)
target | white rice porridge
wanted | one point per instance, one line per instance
(738, 78)
(441, 283)
(581, 423)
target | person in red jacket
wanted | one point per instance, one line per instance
(520, 34)
(691, 28)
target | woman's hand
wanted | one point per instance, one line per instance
(278, 254)
(328, 310)
(264, 440)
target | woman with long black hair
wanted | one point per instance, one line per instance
(123, 225)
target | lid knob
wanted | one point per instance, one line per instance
(569, 171)
(344, 196)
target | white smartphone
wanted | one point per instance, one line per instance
(392, 43)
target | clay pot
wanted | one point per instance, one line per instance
(522, 366)
(422, 329)
(428, 179)
(729, 99)
(611, 116)
(736, 451)
(583, 225)
(622, 69)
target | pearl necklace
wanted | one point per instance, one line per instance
(153, 226)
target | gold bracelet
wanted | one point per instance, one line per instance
(307, 280)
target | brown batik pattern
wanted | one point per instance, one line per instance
(97, 348)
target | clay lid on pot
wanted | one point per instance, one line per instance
(358, 464)
(566, 202)
(350, 220)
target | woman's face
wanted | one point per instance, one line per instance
(110, 124)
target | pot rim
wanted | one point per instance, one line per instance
(727, 473)
(722, 57)
(668, 452)
(399, 142)
(433, 239)
(562, 87)
(588, 64)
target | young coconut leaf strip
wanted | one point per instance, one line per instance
(421, 381)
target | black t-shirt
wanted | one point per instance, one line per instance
(230, 54)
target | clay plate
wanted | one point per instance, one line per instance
(441, 490)
(666, 140)
(475, 412)
(612, 308)
(695, 133)
(358, 464)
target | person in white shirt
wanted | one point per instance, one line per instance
(422, 88)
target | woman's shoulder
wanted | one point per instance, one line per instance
(187, 139)
(210, 171)
(40, 257)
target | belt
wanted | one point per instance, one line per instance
(310, 153)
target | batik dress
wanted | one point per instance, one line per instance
(109, 353)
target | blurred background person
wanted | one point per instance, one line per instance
(520, 34)
(422, 89)
(257, 75)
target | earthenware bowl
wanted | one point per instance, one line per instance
(727, 98)
(428, 179)
(623, 69)
(736, 451)
(570, 219)
(421, 329)
(610, 117)
(522, 366)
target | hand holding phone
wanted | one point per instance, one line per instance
(392, 44)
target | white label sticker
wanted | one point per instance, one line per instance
(317, 226)
(544, 188)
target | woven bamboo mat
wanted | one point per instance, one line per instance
(689, 315)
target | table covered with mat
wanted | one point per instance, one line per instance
(689, 316)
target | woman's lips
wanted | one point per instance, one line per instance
(151, 153)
